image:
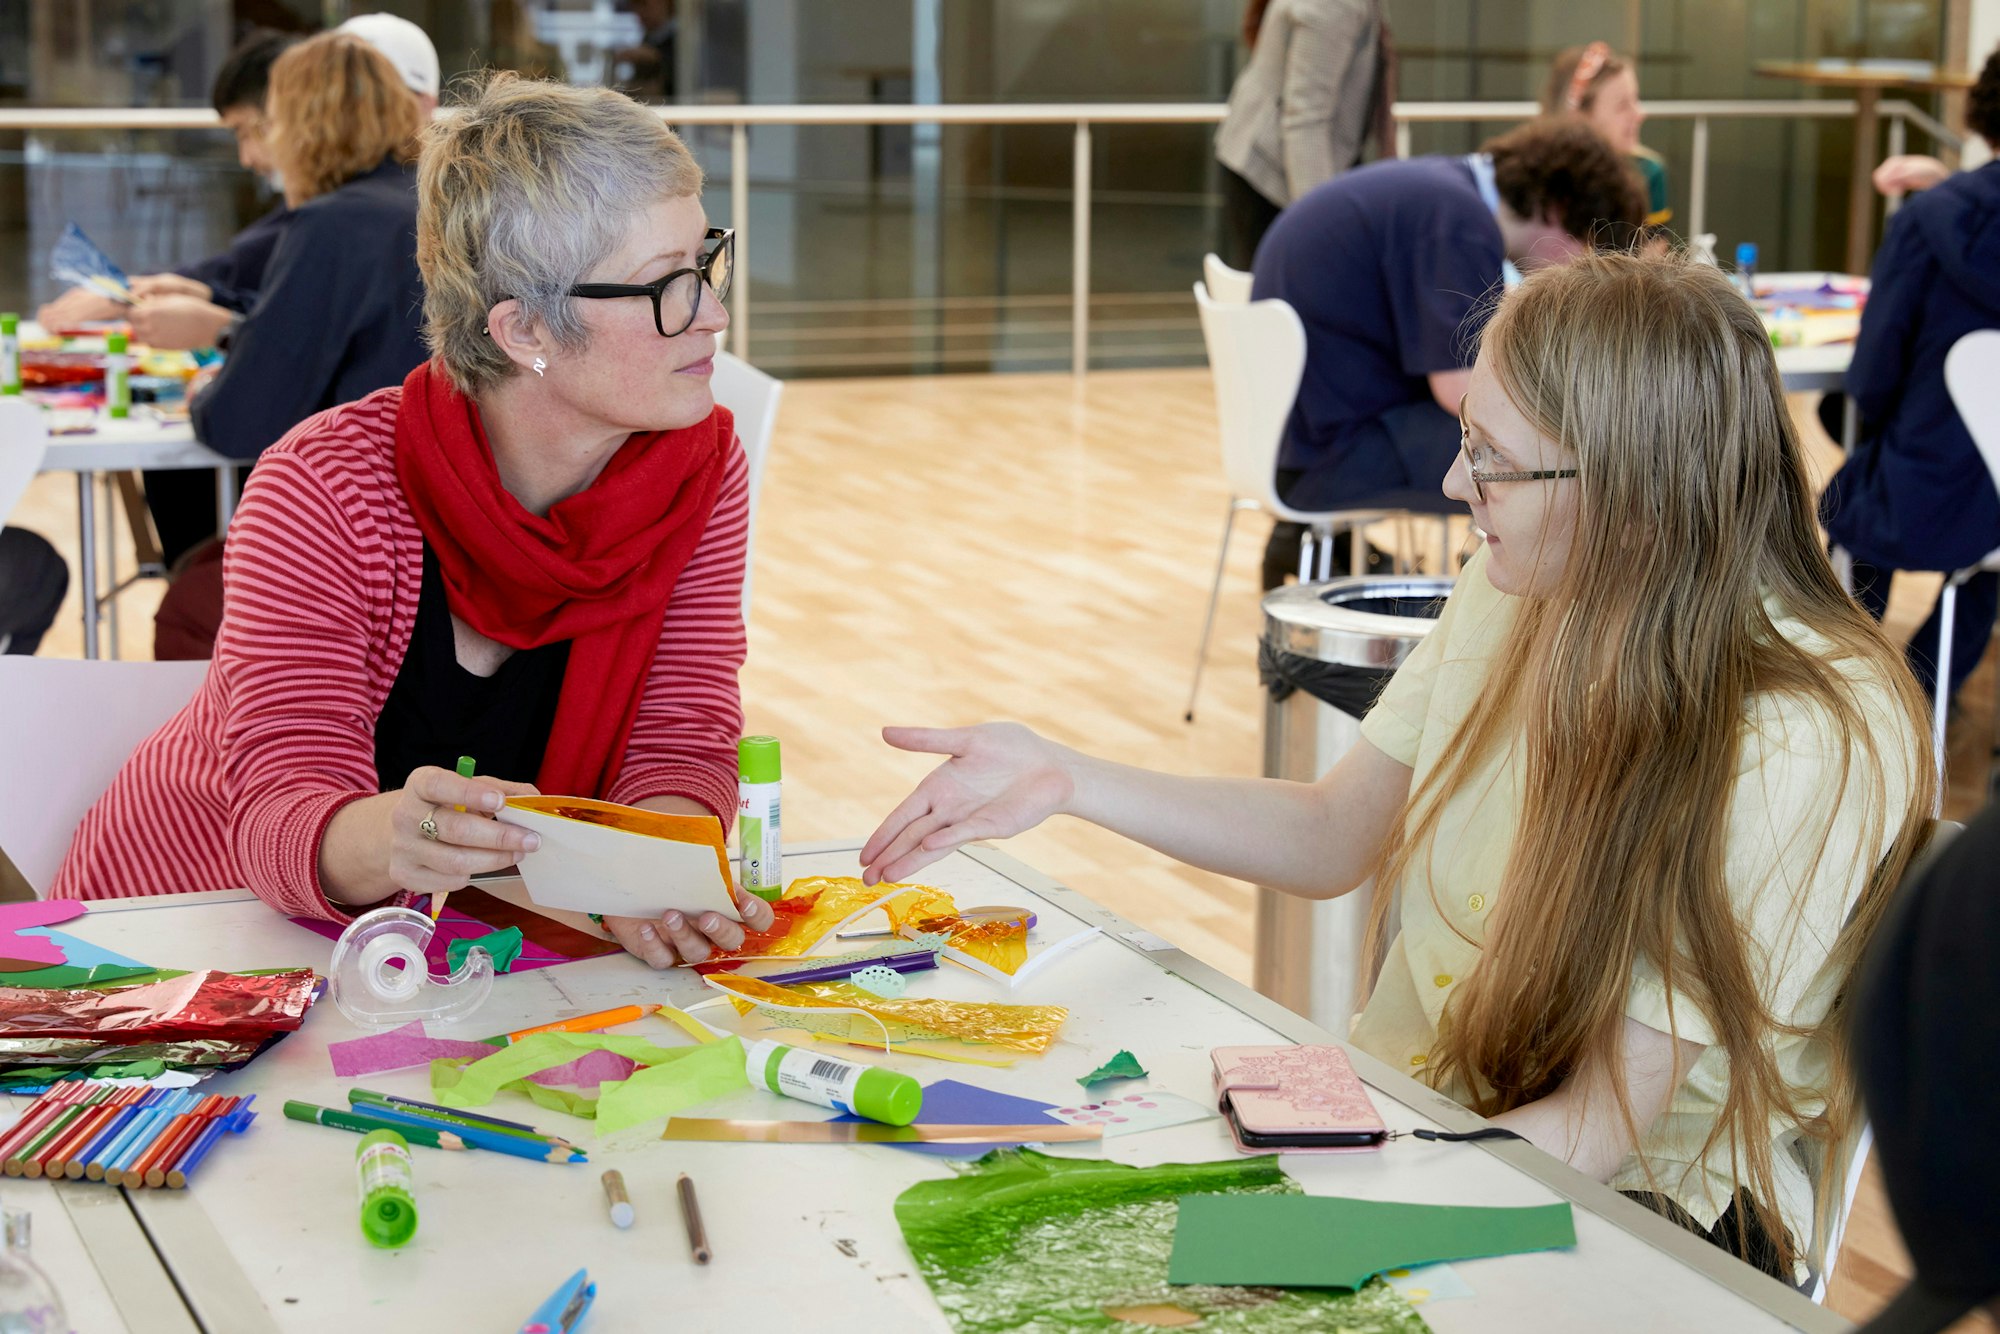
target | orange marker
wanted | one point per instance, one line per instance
(583, 1023)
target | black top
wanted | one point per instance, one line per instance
(340, 315)
(438, 711)
(235, 276)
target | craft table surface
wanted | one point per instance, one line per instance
(805, 1236)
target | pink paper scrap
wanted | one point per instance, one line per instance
(589, 1070)
(14, 917)
(398, 1049)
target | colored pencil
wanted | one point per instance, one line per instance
(169, 1131)
(582, 1023)
(30, 1124)
(361, 1123)
(140, 1137)
(177, 1175)
(102, 1158)
(96, 1116)
(154, 1170)
(370, 1098)
(379, 1104)
(24, 1157)
(691, 1216)
(540, 1147)
(79, 1166)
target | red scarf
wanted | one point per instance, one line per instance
(598, 570)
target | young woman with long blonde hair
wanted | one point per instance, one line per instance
(1639, 798)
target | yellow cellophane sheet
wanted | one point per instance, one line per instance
(1026, 1028)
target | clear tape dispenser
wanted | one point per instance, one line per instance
(380, 979)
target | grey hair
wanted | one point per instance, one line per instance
(522, 190)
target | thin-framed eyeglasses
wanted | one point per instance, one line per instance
(1481, 478)
(677, 296)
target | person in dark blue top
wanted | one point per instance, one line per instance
(1915, 494)
(1392, 268)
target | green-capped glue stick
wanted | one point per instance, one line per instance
(761, 869)
(388, 1188)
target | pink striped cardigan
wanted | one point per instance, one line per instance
(322, 571)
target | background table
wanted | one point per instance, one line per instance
(804, 1236)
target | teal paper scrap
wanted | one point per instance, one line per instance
(1122, 1066)
(1312, 1241)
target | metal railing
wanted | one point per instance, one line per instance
(739, 119)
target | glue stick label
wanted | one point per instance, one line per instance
(807, 1075)
(10, 362)
(759, 821)
(385, 1164)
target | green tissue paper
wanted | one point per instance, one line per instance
(1307, 1241)
(670, 1079)
(504, 946)
(1023, 1240)
(1122, 1066)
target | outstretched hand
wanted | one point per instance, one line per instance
(1001, 780)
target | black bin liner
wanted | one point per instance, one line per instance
(1351, 689)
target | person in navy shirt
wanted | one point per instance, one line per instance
(1915, 494)
(1392, 268)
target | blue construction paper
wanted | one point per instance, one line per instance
(81, 953)
(950, 1103)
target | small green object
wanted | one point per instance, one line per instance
(465, 766)
(117, 377)
(757, 759)
(1314, 1241)
(1122, 1066)
(388, 1188)
(504, 946)
(10, 352)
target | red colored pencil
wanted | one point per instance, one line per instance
(169, 1130)
(23, 1161)
(32, 1122)
(93, 1120)
(156, 1174)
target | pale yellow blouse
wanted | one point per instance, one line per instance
(1799, 853)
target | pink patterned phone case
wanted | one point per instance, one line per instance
(1291, 1092)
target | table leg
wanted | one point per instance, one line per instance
(110, 617)
(1861, 187)
(86, 526)
(225, 495)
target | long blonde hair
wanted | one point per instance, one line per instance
(338, 108)
(1627, 691)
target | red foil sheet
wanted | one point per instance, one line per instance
(207, 1004)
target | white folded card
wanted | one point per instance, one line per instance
(598, 856)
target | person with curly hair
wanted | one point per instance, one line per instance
(1393, 267)
(1915, 493)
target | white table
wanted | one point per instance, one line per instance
(268, 1239)
(135, 444)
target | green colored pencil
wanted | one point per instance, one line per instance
(366, 1100)
(361, 1123)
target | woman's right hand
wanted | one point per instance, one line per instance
(468, 843)
(1001, 779)
(148, 285)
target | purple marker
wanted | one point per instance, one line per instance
(910, 961)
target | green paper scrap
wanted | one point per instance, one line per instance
(1024, 1240)
(1311, 1241)
(1122, 1066)
(69, 976)
(504, 946)
(670, 1079)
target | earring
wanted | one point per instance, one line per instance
(540, 365)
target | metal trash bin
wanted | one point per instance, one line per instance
(1326, 652)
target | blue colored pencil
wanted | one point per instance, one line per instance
(81, 1163)
(196, 1152)
(156, 1120)
(105, 1157)
(515, 1145)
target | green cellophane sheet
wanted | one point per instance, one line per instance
(1021, 1240)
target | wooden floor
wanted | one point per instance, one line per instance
(953, 549)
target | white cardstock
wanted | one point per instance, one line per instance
(587, 867)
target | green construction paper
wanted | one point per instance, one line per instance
(1023, 1240)
(504, 946)
(1310, 1241)
(66, 976)
(670, 1079)
(35, 1076)
(1122, 1066)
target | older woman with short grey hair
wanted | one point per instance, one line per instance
(530, 552)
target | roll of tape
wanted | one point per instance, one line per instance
(393, 983)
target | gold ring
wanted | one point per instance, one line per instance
(428, 825)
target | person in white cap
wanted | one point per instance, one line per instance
(409, 49)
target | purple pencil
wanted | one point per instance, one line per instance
(911, 961)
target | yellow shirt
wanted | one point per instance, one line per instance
(1799, 853)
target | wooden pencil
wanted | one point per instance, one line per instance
(170, 1130)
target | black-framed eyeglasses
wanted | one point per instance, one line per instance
(1480, 479)
(677, 296)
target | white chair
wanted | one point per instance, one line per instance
(752, 397)
(24, 439)
(1226, 285)
(1972, 375)
(66, 726)
(1257, 354)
